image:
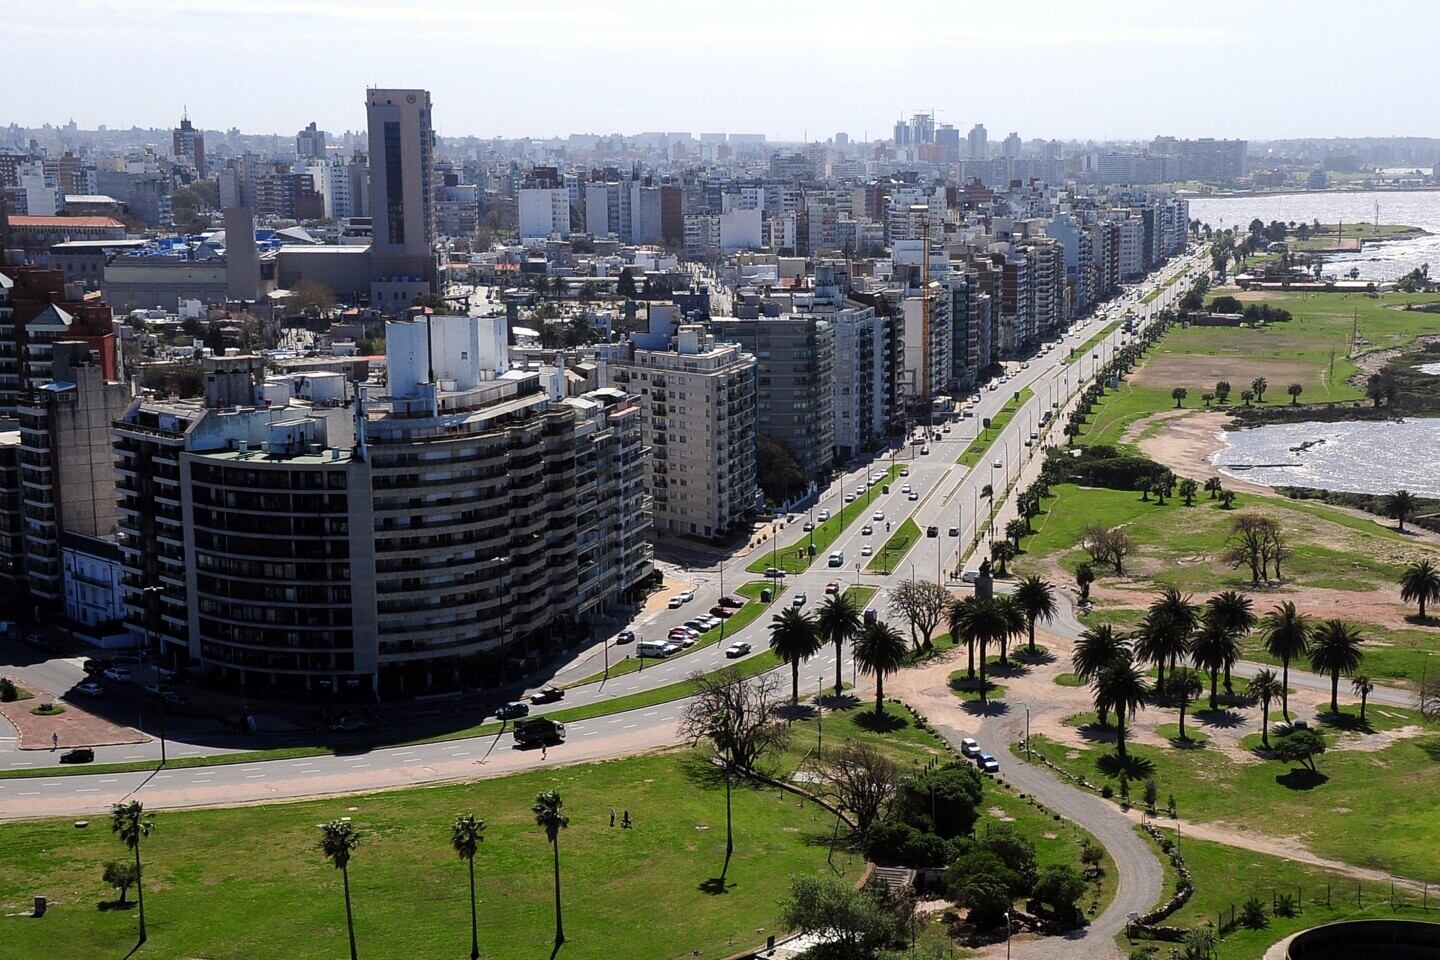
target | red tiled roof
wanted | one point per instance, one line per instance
(20, 220)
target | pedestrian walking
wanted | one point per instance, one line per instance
(544, 750)
(625, 820)
(612, 816)
(54, 741)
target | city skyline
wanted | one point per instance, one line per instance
(671, 75)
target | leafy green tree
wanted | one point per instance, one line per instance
(338, 840)
(1120, 687)
(1420, 583)
(1300, 746)
(1213, 486)
(1294, 390)
(1381, 388)
(1036, 597)
(1098, 647)
(1222, 390)
(466, 835)
(945, 801)
(1266, 687)
(1059, 888)
(1400, 504)
(981, 621)
(1213, 647)
(853, 924)
(794, 639)
(1227, 499)
(1002, 551)
(836, 622)
(1178, 395)
(1335, 649)
(549, 816)
(879, 650)
(983, 883)
(121, 876)
(1246, 396)
(1188, 489)
(1259, 385)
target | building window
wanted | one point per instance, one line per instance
(394, 184)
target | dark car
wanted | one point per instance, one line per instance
(932, 531)
(734, 602)
(515, 708)
(547, 694)
(78, 755)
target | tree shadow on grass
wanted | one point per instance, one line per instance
(1301, 778)
(797, 711)
(1349, 722)
(986, 708)
(845, 701)
(1041, 657)
(1431, 748)
(105, 906)
(1187, 743)
(1012, 669)
(1223, 719)
(886, 722)
(1135, 767)
(1097, 733)
(1425, 621)
(715, 886)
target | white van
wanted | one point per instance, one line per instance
(649, 648)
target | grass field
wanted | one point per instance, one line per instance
(1338, 814)
(249, 882)
(975, 452)
(895, 548)
(1225, 877)
(796, 557)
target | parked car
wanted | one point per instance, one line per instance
(173, 699)
(90, 689)
(969, 746)
(970, 576)
(988, 764)
(515, 708)
(117, 674)
(96, 665)
(547, 694)
(625, 636)
(651, 648)
(721, 612)
(737, 649)
(78, 755)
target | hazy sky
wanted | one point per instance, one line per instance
(1078, 69)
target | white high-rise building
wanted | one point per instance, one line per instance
(978, 142)
(544, 212)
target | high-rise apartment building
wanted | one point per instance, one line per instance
(979, 145)
(402, 145)
(189, 147)
(310, 143)
(697, 405)
(35, 313)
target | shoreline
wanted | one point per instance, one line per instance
(1303, 193)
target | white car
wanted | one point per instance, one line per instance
(824, 515)
(849, 498)
(117, 674)
(878, 516)
(687, 596)
(969, 746)
(913, 495)
(737, 649)
(970, 576)
(867, 550)
(675, 603)
(905, 489)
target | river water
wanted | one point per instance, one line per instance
(1361, 456)
(1381, 261)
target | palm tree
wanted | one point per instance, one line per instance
(1335, 649)
(1400, 505)
(1036, 597)
(548, 815)
(837, 620)
(794, 639)
(1287, 636)
(1184, 686)
(879, 650)
(1164, 636)
(1265, 687)
(131, 824)
(1235, 613)
(1084, 576)
(1096, 649)
(1212, 486)
(1120, 687)
(1178, 395)
(1012, 624)
(465, 837)
(1294, 390)
(1420, 583)
(1001, 551)
(1188, 489)
(338, 840)
(1212, 649)
(1363, 687)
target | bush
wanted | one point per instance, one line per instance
(1092, 854)
(1107, 791)
(1058, 888)
(1252, 914)
(1101, 465)
(891, 843)
(1014, 850)
(979, 881)
(8, 691)
(1285, 905)
(945, 801)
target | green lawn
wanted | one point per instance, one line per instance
(249, 882)
(975, 452)
(895, 548)
(795, 557)
(1337, 815)
(1225, 877)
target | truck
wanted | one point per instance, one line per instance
(538, 730)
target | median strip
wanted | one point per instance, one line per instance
(797, 556)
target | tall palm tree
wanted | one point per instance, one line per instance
(131, 824)
(1265, 687)
(1122, 688)
(879, 650)
(1164, 637)
(1184, 686)
(466, 835)
(981, 621)
(1420, 583)
(1363, 687)
(1235, 614)
(837, 621)
(1097, 649)
(794, 639)
(548, 815)
(1335, 649)
(338, 840)
(1212, 649)
(1400, 504)
(1287, 636)
(964, 616)
(1036, 597)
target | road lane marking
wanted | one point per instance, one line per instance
(87, 790)
(254, 776)
(357, 766)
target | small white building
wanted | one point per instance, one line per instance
(92, 580)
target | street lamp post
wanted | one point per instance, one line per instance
(154, 593)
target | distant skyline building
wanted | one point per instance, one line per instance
(402, 147)
(310, 143)
(189, 146)
(979, 142)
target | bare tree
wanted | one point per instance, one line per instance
(1120, 547)
(923, 605)
(861, 780)
(1427, 698)
(1253, 539)
(1096, 540)
(1276, 549)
